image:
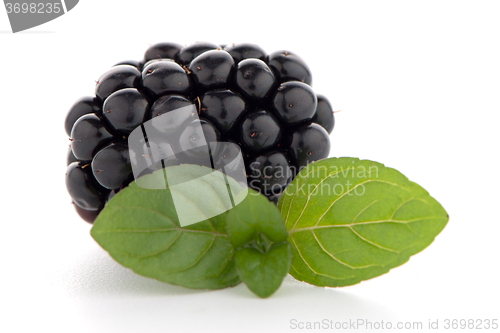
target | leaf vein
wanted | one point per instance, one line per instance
(371, 242)
(216, 195)
(310, 194)
(361, 211)
(195, 205)
(295, 194)
(335, 258)
(363, 223)
(162, 250)
(317, 273)
(175, 227)
(350, 190)
(196, 261)
(404, 203)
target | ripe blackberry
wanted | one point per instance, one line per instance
(240, 101)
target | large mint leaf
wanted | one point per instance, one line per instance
(140, 229)
(351, 220)
(262, 253)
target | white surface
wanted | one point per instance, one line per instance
(418, 85)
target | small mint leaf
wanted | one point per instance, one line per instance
(350, 220)
(263, 272)
(258, 234)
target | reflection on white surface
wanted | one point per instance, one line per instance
(97, 274)
(113, 298)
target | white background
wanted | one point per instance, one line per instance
(418, 84)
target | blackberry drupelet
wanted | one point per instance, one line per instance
(260, 130)
(111, 166)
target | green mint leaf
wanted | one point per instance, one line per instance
(263, 272)
(350, 220)
(140, 229)
(258, 234)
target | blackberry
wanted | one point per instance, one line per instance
(240, 102)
